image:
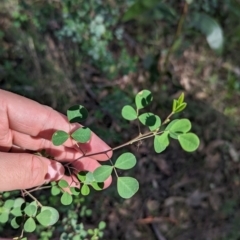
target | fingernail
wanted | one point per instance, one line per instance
(55, 171)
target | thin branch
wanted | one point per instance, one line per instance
(31, 196)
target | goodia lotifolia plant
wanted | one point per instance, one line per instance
(26, 215)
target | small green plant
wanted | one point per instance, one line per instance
(26, 215)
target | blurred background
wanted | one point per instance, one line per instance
(100, 54)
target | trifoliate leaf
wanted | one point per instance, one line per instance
(126, 161)
(59, 137)
(127, 186)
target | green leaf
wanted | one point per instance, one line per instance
(161, 142)
(97, 185)
(150, 120)
(74, 191)
(66, 198)
(59, 137)
(129, 113)
(31, 209)
(175, 102)
(180, 125)
(209, 27)
(102, 225)
(127, 186)
(48, 216)
(82, 135)
(55, 190)
(63, 183)
(82, 176)
(180, 99)
(18, 202)
(189, 141)
(15, 223)
(143, 99)
(89, 178)
(126, 161)
(16, 211)
(174, 135)
(9, 203)
(102, 173)
(29, 225)
(85, 190)
(77, 113)
(180, 107)
(150, 9)
(4, 217)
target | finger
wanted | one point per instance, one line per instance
(23, 171)
(34, 119)
(62, 152)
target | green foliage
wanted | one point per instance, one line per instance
(59, 137)
(143, 99)
(151, 120)
(77, 113)
(102, 173)
(210, 28)
(30, 215)
(82, 135)
(66, 198)
(129, 113)
(125, 161)
(161, 142)
(127, 186)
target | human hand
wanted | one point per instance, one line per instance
(27, 126)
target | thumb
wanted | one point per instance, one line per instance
(23, 170)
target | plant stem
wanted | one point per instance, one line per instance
(30, 195)
(168, 118)
(39, 188)
(114, 168)
(177, 34)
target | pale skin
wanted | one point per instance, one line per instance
(26, 127)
